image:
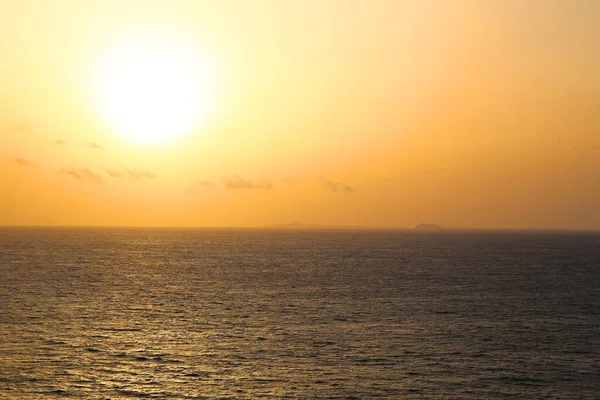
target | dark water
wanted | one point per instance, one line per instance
(123, 314)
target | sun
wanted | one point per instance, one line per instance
(153, 89)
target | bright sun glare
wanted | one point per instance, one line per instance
(152, 90)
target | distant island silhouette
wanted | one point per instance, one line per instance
(303, 226)
(428, 226)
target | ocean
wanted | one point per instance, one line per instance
(104, 313)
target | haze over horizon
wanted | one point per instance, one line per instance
(240, 113)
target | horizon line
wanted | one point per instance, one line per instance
(302, 227)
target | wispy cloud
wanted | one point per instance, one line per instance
(59, 142)
(22, 162)
(338, 187)
(206, 184)
(21, 127)
(94, 146)
(238, 182)
(130, 173)
(202, 184)
(82, 174)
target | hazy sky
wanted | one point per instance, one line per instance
(384, 113)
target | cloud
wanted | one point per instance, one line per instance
(130, 173)
(338, 187)
(21, 127)
(203, 184)
(21, 162)
(206, 184)
(94, 146)
(59, 142)
(82, 174)
(238, 182)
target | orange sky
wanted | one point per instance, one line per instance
(380, 113)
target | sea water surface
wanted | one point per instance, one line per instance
(246, 314)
